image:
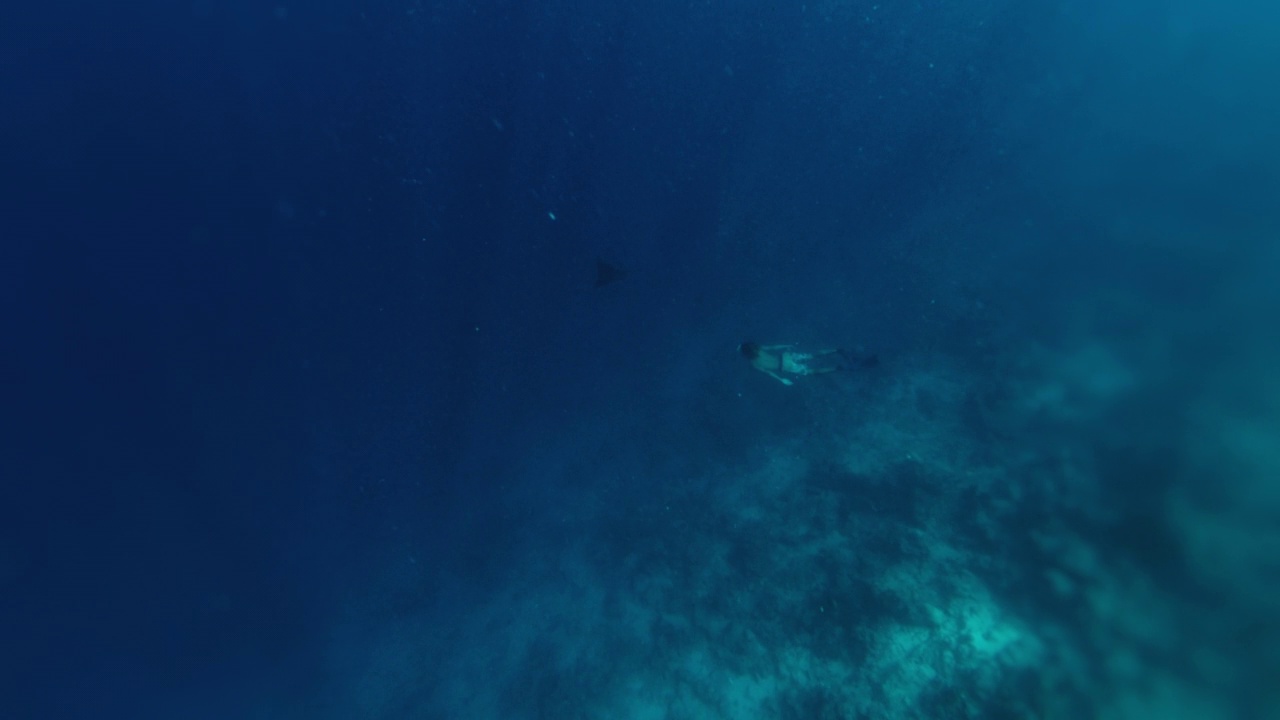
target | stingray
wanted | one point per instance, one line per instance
(607, 274)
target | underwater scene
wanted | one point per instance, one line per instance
(678, 360)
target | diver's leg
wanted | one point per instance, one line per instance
(854, 361)
(828, 361)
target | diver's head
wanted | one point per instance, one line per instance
(749, 350)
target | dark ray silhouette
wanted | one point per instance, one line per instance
(607, 274)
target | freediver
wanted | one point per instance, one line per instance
(785, 362)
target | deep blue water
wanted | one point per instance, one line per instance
(312, 407)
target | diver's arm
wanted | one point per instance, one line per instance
(779, 378)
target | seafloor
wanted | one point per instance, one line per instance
(931, 539)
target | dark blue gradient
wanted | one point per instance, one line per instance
(312, 409)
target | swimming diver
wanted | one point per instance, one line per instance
(783, 362)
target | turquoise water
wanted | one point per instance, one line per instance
(317, 408)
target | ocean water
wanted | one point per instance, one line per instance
(316, 406)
